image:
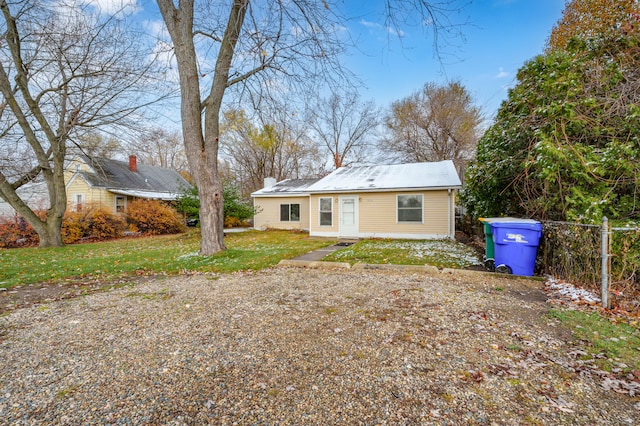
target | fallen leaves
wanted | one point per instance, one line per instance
(629, 387)
(474, 376)
(561, 405)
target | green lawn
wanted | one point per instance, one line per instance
(176, 253)
(440, 253)
(612, 347)
(165, 254)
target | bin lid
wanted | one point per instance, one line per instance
(531, 224)
(503, 219)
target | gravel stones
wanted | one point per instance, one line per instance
(297, 346)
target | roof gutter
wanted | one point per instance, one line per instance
(351, 191)
(431, 188)
(281, 194)
(146, 194)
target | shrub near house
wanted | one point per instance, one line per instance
(96, 224)
(16, 232)
(149, 217)
(236, 211)
(153, 217)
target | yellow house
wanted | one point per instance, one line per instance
(113, 183)
(413, 201)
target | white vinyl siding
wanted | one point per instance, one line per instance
(268, 212)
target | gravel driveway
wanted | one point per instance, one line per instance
(297, 346)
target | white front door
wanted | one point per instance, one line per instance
(348, 217)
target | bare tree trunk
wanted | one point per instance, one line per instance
(50, 235)
(47, 228)
(201, 143)
(211, 202)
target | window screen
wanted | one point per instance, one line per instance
(410, 208)
(326, 215)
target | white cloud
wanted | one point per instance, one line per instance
(388, 29)
(502, 73)
(397, 32)
(369, 24)
(155, 28)
(114, 7)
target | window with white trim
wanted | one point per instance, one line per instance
(120, 203)
(79, 202)
(326, 211)
(410, 208)
(289, 212)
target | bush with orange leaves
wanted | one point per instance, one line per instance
(92, 223)
(16, 232)
(153, 217)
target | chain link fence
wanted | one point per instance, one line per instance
(571, 252)
(579, 254)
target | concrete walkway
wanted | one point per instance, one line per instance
(319, 254)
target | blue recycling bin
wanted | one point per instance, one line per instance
(489, 261)
(516, 245)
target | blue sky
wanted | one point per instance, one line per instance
(499, 37)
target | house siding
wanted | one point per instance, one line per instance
(34, 195)
(314, 216)
(268, 215)
(377, 216)
(93, 197)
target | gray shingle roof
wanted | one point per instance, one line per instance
(116, 175)
(287, 186)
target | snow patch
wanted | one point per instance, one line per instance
(571, 292)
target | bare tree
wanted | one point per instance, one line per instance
(96, 144)
(280, 149)
(62, 69)
(257, 40)
(436, 123)
(160, 147)
(251, 44)
(344, 126)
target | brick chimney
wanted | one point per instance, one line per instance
(133, 163)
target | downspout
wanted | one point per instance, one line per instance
(449, 212)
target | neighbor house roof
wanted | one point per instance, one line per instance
(146, 182)
(433, 175)
(287, 187)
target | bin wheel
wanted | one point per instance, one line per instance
(490, 264)
(503, 269)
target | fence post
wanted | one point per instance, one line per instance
(605, 263)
